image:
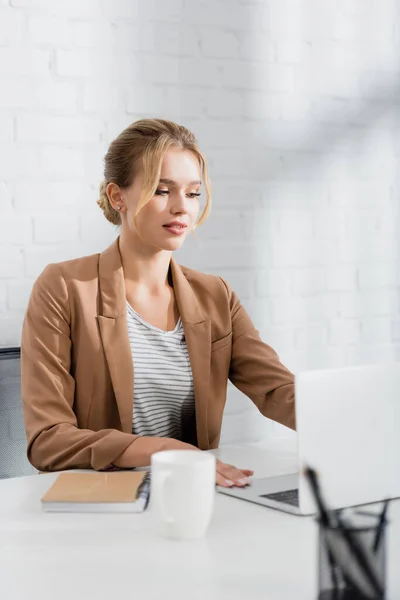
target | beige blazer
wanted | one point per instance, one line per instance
(77, 370)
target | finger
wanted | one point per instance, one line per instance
(222, 481)
(231, 474)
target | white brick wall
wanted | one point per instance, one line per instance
(295, 105)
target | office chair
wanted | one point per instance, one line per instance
(13, 460)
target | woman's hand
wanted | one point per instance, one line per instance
(229, 476)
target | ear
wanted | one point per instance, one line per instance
(114, 194)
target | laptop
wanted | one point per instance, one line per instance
(347, 422)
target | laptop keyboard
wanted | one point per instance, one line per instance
(288, 497)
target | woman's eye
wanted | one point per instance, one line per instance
(194, 195)
(161, 192)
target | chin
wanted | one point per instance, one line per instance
(169, 245)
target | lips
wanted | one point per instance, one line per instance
(175, 224)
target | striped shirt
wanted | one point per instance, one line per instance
(163, 399)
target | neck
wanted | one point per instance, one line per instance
(146, 267)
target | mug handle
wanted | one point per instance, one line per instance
(164, 478)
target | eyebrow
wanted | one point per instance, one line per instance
(172, 182)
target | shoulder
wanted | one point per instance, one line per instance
(77, 268)
(205, 283)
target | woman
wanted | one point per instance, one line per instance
(125, 353)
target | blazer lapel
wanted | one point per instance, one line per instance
(114, 331)
(197, 331)
(114, 334)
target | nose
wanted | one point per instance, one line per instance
(179, 203)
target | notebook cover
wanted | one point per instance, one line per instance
(95, 487)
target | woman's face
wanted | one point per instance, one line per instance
(168, 218)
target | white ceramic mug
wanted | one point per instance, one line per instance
(182, 492)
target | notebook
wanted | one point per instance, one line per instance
(115, 492)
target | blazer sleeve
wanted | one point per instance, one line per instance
(54, 440)
(256, 370)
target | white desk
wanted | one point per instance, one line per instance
(250, 552)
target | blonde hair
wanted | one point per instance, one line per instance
(143, 144)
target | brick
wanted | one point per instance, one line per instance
(219, 256)
(369, 303)
(217, 133)
(198, 72)
(56, 161)
(349, 28)
(222, 103)
(299, 194)
(292, 52)
(308, 280)
(219, 44)
(55, 229)
(3, 295)
(6, 195)
(330, 222)
(241, 281)
(344, 331)
(260, 312)
(259, 105)
(24, 61)
(18, 161)
(58, 129)
(377, 330)
(296, 223)
(378, 275)
(263, 76)
(96, 232)
(327, 81)
(6, 128)
(39, 94)
(322, 306)
(37, 257)
(260, 224)
(341, 278)
(93, 34)
(167, 39)
(11, 263)
(16, 93)
(241, 194)
(161, 69)
(288, 309)
(256, 46)
(18, 293)
(312, 335)
(286, 18)
(146, 99)
(11, 23)
(296, 108)
(16, 230)
(72, 8)
(279, 337)
(49, 30)
(96, 101)
(183, 103)
(274, 282)
(10, 328)
(173, 10)
(358, 195)
(359, 249)
(224, 226)
(371, 354)
(89, 64)
(217, 14)
(301, 166)
(51, 197)
(302, 253)
(233, 163)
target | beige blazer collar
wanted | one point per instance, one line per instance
(114, 335)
